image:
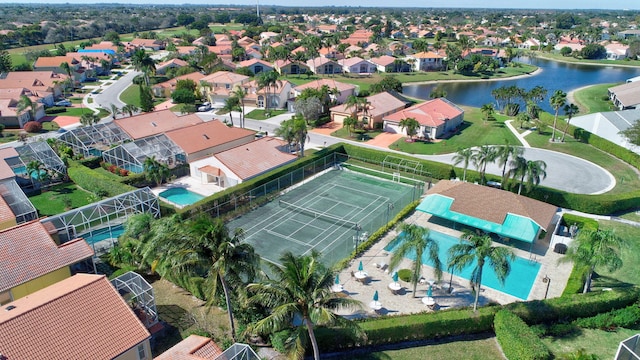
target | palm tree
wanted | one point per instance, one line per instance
(240, 93)
(231, 104)
(557, 100)
(463, 156)
(26, 103)
(130, 109)
(595, 248)
(350, 123)
(481, 157)
(487, 110)
(154, 170)
(36, 170)
(233, 263)
(88, 119)
(285, 131)
(301, 287)
(480, 248)
(503, 154)
(266, 80)
(142, 61)
(410, 126)
(416, 239)
(113, 111)
(569, 110)
(536, 171)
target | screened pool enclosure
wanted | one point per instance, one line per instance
(131, 155)
(93, 140)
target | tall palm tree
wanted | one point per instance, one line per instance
(88, 119)
(595, 248)
(231, 104)
(155, 171)
(130, 109)
(240, 93)
(480, 248)
(481, 157)
(536, 171)
(350, 123)
(487, 110)
(266, 80)
(463, 156)
(557, 100)
(36, 171)
(285, 131)
(410, 126)
(569, 110)
(301, 287)
(504, 154)
(113, 111)
(26, 103)
(142, 61)
(416, 240)
(233, 263)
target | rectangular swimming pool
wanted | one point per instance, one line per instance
(181, 196)
(518, 283)
(95, 236)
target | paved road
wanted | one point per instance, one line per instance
(111, 94)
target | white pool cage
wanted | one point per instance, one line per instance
(93, 140)
(131, 155)
(629, 349)
(138, 293)
(18, 202)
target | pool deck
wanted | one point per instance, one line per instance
(189, 183)
(461, 296)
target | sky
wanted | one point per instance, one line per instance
(506, 4)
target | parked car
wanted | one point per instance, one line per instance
(205, 107)
(63, 103)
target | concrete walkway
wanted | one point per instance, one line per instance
(521, 137)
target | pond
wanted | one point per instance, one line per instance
(554, 76)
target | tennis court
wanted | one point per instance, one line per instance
(329, 213)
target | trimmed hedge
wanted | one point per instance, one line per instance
(607, 146)
(575, 283)
(626, 317)
(580, 221)
(517, 340)
(96, 182)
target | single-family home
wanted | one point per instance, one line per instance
(389, 64)
(175, 63)
(154, 123)
(609, 124)
(9, 102)
(194, 347)
(628, 34)
(373, 112)
(244, 162)
(290, 67)
(148, 44)
(275, 96)
(625, 96)
(323, 66)
(164, 89)
(356, 65)
(426, 61)
(341, 91)
(256, 66)
(81, 317)
(32, 260)
(436, 118)
(218, 86)
(617, 51)
(44, 86)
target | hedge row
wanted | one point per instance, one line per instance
(611, 320)
(583, 223)
(516, 339)
(575, 283)
(395, 329)
(95, 182)
(607, 146)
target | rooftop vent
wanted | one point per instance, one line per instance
(9, 308)
(205, 136)
(154, 124)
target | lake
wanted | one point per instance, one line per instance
(554, 76)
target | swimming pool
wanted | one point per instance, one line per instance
(181, 196)
(22, 170)
(518, 283)
(95, 236)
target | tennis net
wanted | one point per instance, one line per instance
(319, 215)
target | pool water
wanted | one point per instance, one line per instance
(518, 283)
(181, 196)
(22, 171)
(95, 236)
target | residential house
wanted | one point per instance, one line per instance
(625, 96)
(436, 117)
(194, 347)
(162, 68)
(148, 44)
(256, 66)
(241, 163)
(609, 124)
(91, 321)
(617, 51)
(125, 50)
(530, 43)
(277, 94)
(32, 260)
(628, 34)
(186, 50)
(426, 61)
(356, 65)
(323, 66)
(9, 100)
(267, 37)
(205, 139)
(359, 37)
(154, 123)
(341, 91)
(389, 64)
(166, 88)
(377, 107)
(218, 86)
(289, 67)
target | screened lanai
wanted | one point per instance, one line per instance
(102, 222)
(18, 202)
(137, 292)
(131, 155)
(93, 140)
(42, 152)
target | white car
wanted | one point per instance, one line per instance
(205, 107)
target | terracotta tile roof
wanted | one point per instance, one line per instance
(427, 55)
(81, 317)
(255, 158)
(13, 93)
(194, 347)
(5, 170)
(332, 84)
(224, 77)
(251, 62)
(430, 113)
(383, 60)
(32, 80)
(379, 104)
(491, 204)
(211, 170)
(5, 211)
(206, 135)
(351, 61)
(154, 123)
(27, 252)
(170, 84)
(178, 62)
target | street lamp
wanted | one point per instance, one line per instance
(547, 281)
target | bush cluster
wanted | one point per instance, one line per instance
(114, 169)
(583, 223)
(517, 340)
(99, 184)
(55, 110)
(612, 320)
(32, 127)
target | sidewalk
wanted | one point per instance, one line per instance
(521, 137)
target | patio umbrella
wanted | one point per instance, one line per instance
(337, 282)
(360, 267)
(375, 296)
(395, 277)
(430, 291)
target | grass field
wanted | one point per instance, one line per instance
(630, 255)
(474, 132)
(258, 114)
(594, 99)
(60, 198)
(602, 343)
(569, 59)
(465, 349)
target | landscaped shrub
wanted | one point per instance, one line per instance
(583, 223)
(517, 340)
(32, 127)
(92, 162)
(405, 275)
(612, 320)
(576, 280)
(95, 182)
(55, 110)
(279, 339)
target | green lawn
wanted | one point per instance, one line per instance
(594, 99)
(464, 349)
(630, 256)
(131, 95)
(474, 132)
(258, 114)
(52, 200)
(599, 342)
